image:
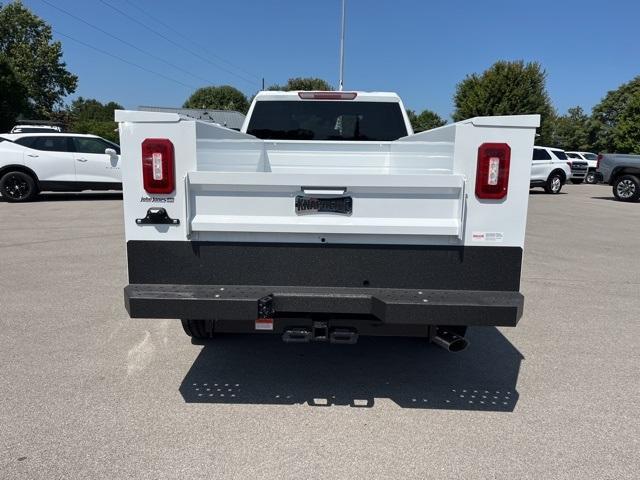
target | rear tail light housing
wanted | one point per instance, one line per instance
(570, 164)
(158, 166)
(327, 95)
(598, 161)
(492, 173)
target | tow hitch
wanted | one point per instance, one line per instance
(297, 335)
(320, 332)
(264, 320)
(343, 335)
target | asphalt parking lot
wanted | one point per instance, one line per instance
(88, 393)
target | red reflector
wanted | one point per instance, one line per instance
(158, 165)
(327, 95)
(492, 174)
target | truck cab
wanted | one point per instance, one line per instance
(326, 218)
(327, 116)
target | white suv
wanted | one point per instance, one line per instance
(549, 169)
(592, 162)
(33, 162)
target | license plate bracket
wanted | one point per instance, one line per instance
(309, 205)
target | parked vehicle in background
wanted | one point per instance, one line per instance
(579, 168)
(326, 218)
(622, 172)
(36, 129)
(592, 161)
(549, 169)
(35, 162)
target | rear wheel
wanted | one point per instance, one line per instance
(18, 187)
(591, 178)
(554, 183)
(626, 188)
(198, 328)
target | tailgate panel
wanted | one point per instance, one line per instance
(423, 204)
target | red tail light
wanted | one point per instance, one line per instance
(327, 95)
(598, 161)
(492, 173)
(158, 165)
(570, 164)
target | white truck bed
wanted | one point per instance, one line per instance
(414, 189)
(322, 239)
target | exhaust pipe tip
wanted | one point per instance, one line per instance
(450, 341)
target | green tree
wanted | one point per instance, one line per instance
(224, 97)
(27, 43)
(626, 133)
(92, 109)
(13, 96)
(426, 120)
(87, 115)
(108, 130)
(571, 131)
(303, 83)
(615, 121)
(506, 88)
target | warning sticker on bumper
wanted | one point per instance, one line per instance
(264, 323)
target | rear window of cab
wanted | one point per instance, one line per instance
(327, 120)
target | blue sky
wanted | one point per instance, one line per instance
(419, 49)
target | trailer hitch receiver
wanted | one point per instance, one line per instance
(264, 319)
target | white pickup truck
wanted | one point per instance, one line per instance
(326, 218)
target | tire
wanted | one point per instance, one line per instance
(554, 183)
(591, 178)
(577, 182)
(18, 187)
(626, 188)
(198, 328)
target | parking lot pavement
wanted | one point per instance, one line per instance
(88, 393)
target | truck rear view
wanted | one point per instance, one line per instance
(326, 218)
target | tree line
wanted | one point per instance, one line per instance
(34, 82)
(506, 88)
(226, 97)
(510, 88)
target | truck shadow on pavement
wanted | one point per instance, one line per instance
(262, 370)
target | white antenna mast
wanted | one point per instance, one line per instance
(341, 83)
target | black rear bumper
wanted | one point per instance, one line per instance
(377, 289)
(237, 303)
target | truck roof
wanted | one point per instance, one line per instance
(357, 96)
